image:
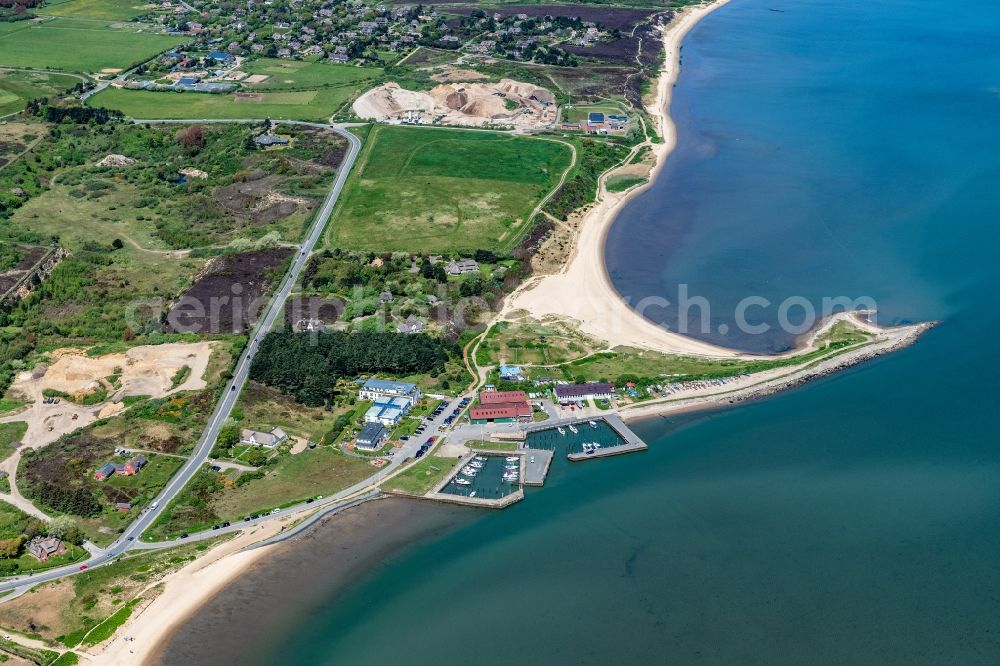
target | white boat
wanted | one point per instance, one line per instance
(593, 424)
(469, 471)
(480, 458)
(463, 482)
(561, 430)
(573, 429)
(476, 464)
(472, 494)
(512, 458)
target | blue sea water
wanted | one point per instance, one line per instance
(833, 148)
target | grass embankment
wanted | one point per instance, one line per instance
(78, 45)
(436, 190)
(421, 477)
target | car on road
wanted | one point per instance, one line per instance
(184, 535)
(130, 539)
(215, 527)
(419, 454)
(154, 505)
(274, 511)
(83, 567)
(225, 524)
(310, 500)
(247, 519)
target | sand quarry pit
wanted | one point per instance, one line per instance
(145, 370)
(509, 104)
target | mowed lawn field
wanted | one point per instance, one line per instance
(16, 88)
(435, 190)
(300, 74)
(78, 45)
(107, 10)
(315, 105)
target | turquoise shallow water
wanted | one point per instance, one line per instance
(835, 148)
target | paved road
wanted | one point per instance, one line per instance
(232, 390)
(362, 490)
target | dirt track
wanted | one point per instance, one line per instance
(145, 370)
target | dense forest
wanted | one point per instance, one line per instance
(307, 366)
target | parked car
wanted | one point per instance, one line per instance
(83, 567)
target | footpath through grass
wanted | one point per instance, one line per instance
(438, 190)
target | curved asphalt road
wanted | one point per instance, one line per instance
(232, 390)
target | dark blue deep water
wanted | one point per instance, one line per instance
(835, 148)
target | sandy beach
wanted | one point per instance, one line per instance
(582, 290)
(184, 592)
(279, 585)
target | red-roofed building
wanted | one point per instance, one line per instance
(498, 397)
(501, 407)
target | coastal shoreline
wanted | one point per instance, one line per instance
(582, 289)
(188, 591)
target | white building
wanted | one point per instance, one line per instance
(381, 390)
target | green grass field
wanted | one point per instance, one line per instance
(433, 190)
(9, 433)
(316, 105)
(77, 45)
(283, 73)
(16, 88)
(579, 113)
(107, 10)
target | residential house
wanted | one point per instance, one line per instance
(268, 440)
(42, 548)
(134, 465)
(269, 140)
(411, 325)
(461, 267)
(511, 373)
(371, 437)
(105, 472)
(124, 507)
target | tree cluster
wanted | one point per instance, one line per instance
(307, 366)
(77, 501)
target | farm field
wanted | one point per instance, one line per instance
(77, 45)
(313, 105)
(16, 88)
(284, 73)
(434, 190)
(108, 10)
